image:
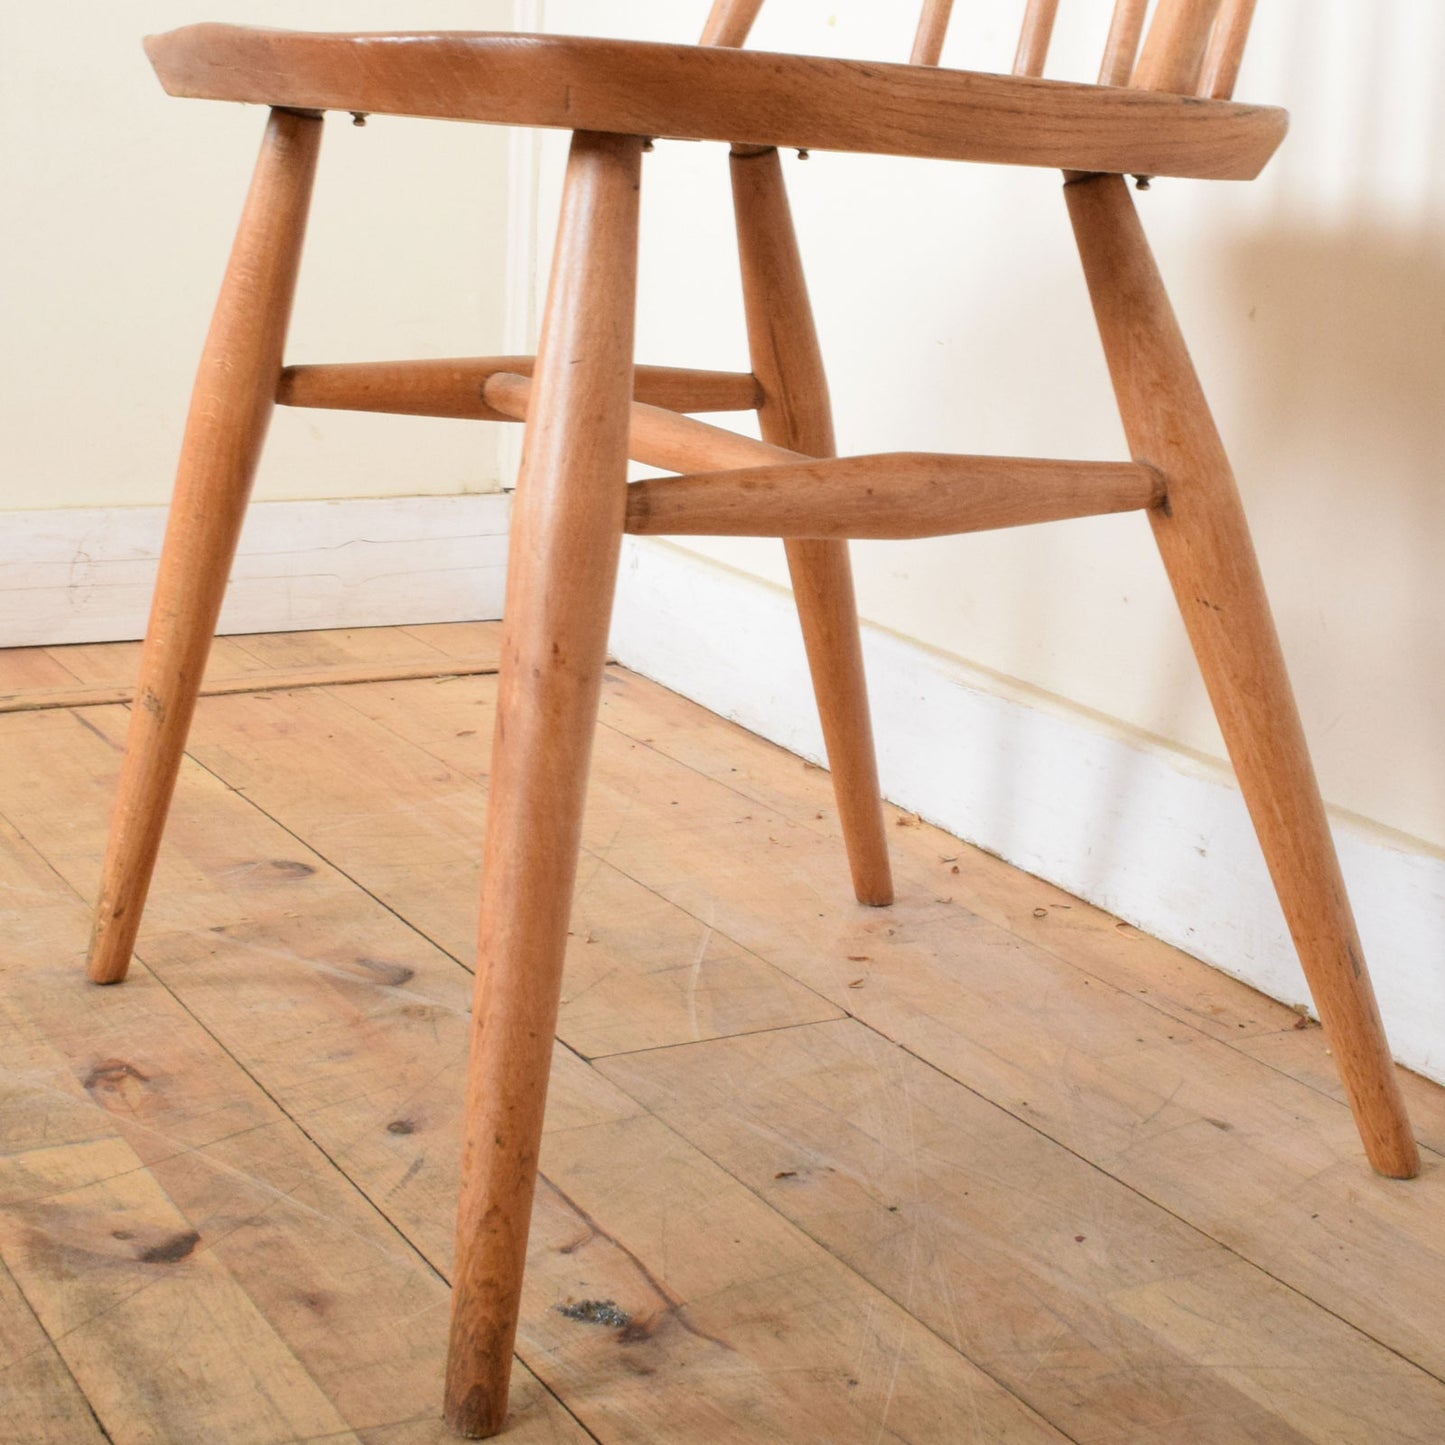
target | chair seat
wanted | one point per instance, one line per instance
(705, 93)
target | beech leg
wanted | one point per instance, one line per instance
(566, 537)
(1205, 543)
(230, 411)
(795, 413)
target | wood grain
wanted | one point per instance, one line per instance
(95, 674)
(895, 496)
(796, 412)
(258, 679)
(1034, 37)
(656, 436)
(931, 33)
(1083, 1298)
(719, 93)
(1271, 1240)
(1226, 49)
(230, 411)
(44, 1405)
(453, 388)
(1207, 550)
(640, 973)
(566, 538)
(1130, 1086)
(1302, 1051)
(1175, 46)
(929, 863)
(285, 1279)
(729, 21)
(120, 1277)
(751, 1332)
(1126, 28)
(25, 671)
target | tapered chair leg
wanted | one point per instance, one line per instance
(230, 408)
(1208, 553)
(795, 413)
(566, 537)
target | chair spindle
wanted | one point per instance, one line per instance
(1192, 47)
(1122, 47)
(1226, 49)
(1038, 30)
(1175, 46)
(729, 21)
(932, 28)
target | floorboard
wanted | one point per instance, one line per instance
(986, 1166)
(34, 679)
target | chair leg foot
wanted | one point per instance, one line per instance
(230, 408)
(796, 413)
(1209, 556)
(566, 539)
(823, 590)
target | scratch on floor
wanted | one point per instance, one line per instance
(693, 979)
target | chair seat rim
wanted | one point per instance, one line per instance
(711, 94)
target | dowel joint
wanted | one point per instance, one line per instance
(1161, 503)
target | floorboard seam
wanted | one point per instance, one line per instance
(1173, 1214)
(842, 1017)
(1053, 951)
(293, 682)
(481, 780)
(59, 1355)
(331, 863)
(791, 1223)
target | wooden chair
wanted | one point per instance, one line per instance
(589, 409)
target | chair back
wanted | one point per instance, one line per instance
(1193, 47)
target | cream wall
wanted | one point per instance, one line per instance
(119, 206)
(953, 316)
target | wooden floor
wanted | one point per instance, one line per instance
(986, 1166)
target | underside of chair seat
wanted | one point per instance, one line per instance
(697, 93)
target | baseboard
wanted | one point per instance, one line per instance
(86, 574)
(1153, 834)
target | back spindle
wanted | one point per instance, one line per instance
(1226, 49)
(1038, 30)
(729, 21)
(1193, 47)
(1122, 47)
(932, 27)
(1175, 46)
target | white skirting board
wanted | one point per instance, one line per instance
(1156, 836)
(86, 574)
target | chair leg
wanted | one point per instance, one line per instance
(230, 409)
(1207, 551)
(566, 537)
(796, 413)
